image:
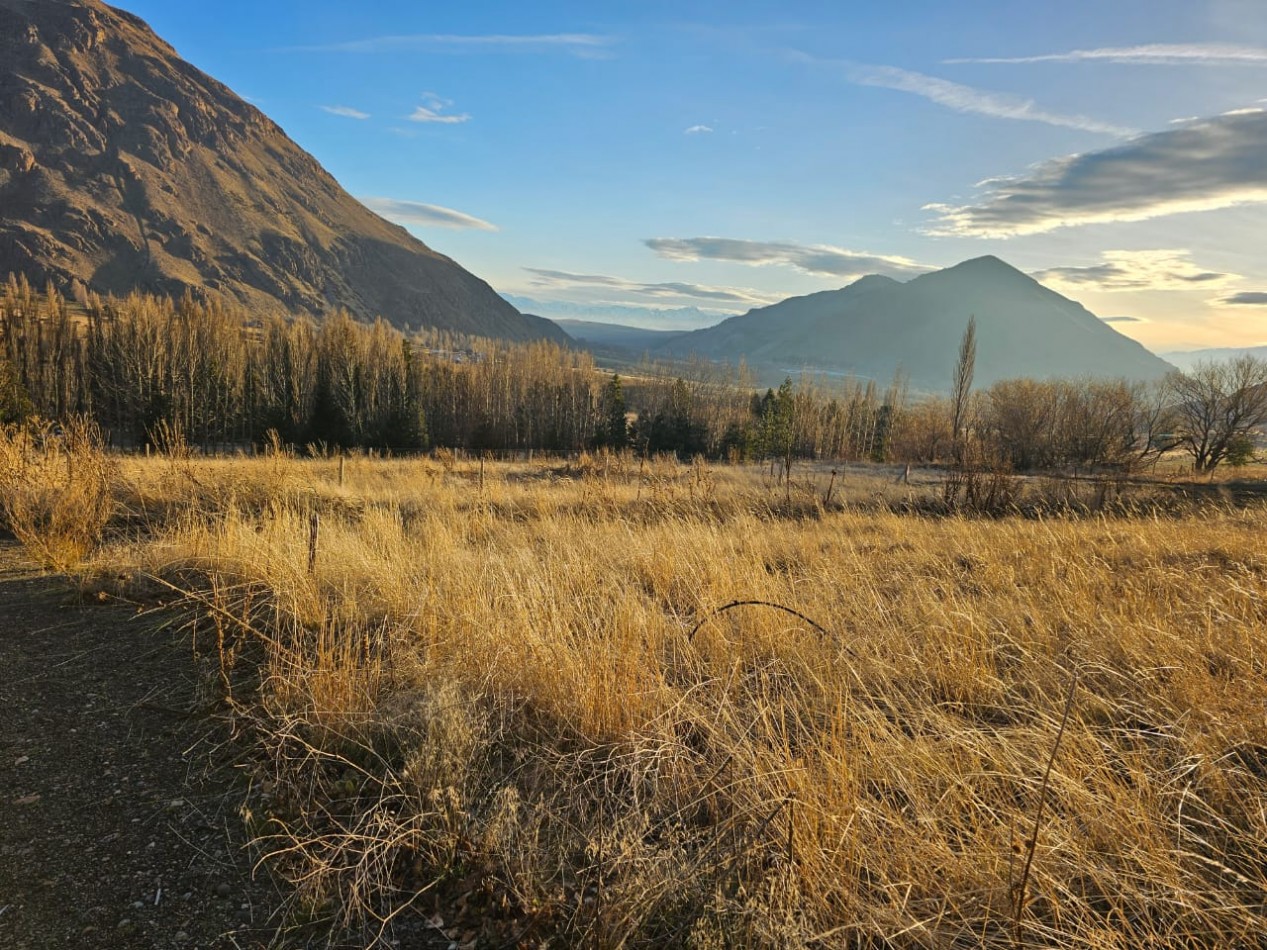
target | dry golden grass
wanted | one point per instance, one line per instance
(56, 489)
(509, 697)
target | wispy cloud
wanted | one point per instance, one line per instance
(1140, 270)
(432, 110)
(957, 96)
(346, 111)
(1246, 298)
(1202, 166)
(1152, 54)
(1123, 320)
(818, 259)
(584, 45)
(431, 216)
(557, 279)
(697, 130)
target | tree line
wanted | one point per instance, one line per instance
(220, 377)
(141, 366)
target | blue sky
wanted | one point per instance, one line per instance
(723, 155)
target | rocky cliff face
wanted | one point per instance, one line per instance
(123, 167)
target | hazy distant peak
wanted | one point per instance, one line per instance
(986, 267)
(871, 282)
(1023, 329)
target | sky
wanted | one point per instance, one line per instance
(726, 155)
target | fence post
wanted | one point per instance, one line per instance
(314, 522)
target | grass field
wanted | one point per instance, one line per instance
(514, 695)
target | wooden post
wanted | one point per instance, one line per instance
(314, 522)
(481, 474)
(342, 459)
(830, 486)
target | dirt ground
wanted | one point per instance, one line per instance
(118, 797)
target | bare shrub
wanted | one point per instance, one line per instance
(56, 489)
(982, 483)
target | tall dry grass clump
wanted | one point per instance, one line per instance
(56, 488)
(521, 704)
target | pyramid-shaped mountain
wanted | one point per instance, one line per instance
(877, 325)
(125, 168)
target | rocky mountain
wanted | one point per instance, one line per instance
(877, 325)
(123, 167)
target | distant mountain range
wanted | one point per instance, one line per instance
(122, 167)
(1187, 359)
(596, 334)
(677, 319)
(877, 325)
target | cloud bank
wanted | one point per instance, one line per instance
(430, 216)
(346, 112)
(1153, 54)
(557, 279)
(1204, 165)
(1247, 298)
(1139, 270)
(817, 259)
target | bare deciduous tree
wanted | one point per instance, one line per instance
(1217, 405)
(961, 387)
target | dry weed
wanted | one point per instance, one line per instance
(56, 489)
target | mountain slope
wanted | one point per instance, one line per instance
(124, 167)
(878, 325)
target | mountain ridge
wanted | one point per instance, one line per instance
(1188, 359)
(123, 167)
(877, 326)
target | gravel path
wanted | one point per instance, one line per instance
(118, 808)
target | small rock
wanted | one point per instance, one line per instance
(181, 936)
(223, 890)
